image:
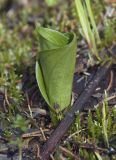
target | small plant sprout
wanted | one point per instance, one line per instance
(55, 67)
(21, 123)
(105, 121)
(88, 25)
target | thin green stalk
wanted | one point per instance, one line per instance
(104, 122)
(20, 153)
(88, 25)
(91, 16)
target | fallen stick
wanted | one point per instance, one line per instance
(78, 106)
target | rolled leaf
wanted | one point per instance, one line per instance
(55, 66)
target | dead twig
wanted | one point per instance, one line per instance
(67, 152)
(111, 80)
(34, 134)
(92, 147)
(68, 120)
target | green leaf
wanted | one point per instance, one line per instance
(40, 82)
(88, 25)
(83, 19)
(105, 122)
(55, 66)
(91, 16)
(98, 156)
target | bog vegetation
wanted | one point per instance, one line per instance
(48, 35)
